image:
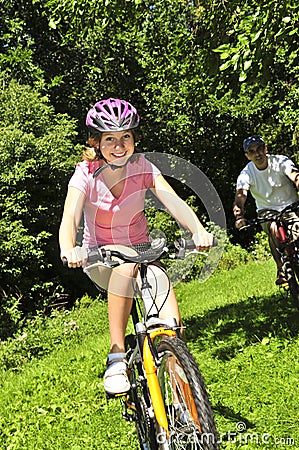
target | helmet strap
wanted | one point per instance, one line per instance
(112, 166)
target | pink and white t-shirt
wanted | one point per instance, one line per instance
(111, 220)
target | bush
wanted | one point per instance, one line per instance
(37, 155)
(235, 255)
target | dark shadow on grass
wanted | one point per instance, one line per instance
(228, 413)
(230, 328)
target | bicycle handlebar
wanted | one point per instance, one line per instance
(158, 250)
(293, 207)
(253, 223)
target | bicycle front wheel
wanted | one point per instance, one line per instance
(188, 409)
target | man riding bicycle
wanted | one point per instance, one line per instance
(273, 181)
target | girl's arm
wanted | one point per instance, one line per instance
(73, 208)
(179, 209)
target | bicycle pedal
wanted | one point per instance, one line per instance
(110, 396)
(284, 285)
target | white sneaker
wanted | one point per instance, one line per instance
(116, 381)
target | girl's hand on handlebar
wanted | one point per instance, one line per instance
(75, 257)
(203, 240)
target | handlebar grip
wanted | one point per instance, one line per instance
(188, 244)
(185, 244)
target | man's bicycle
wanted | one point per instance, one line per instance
(288, 248)
(167, 400)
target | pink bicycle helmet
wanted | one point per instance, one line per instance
(112, 114)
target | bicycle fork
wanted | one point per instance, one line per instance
(152, 379)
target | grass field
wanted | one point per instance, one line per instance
(241, 329)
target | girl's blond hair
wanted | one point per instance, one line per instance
(90, 151)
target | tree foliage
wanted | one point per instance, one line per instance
(36, 155)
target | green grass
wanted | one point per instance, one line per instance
(241, 329)
(244, 334)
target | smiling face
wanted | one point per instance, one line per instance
(257, 153)
(117, 146)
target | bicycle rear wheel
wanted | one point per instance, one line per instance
(188, 409)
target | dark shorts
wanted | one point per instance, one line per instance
(290, 220)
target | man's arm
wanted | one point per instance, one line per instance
(294, 177)
(239, 207)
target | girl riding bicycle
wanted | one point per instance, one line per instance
(109, 188)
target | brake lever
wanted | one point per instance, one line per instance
(245, 227)
(251, 224)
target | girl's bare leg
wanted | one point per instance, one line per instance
(120, 296)
(119, 309)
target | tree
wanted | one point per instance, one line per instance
(37, 155)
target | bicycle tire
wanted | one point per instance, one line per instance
(294, 288)
(188, 409)
(139, 402)
(292, 273)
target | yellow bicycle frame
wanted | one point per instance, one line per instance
(152, 379)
